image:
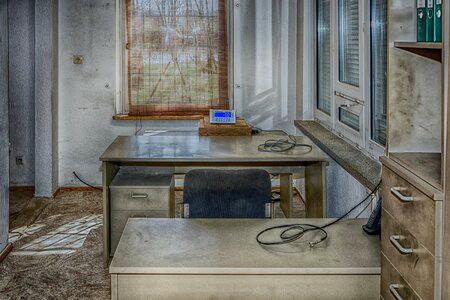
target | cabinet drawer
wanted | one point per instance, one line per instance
(418, 266)
(392, 281)
(410, 208)
(140, 198)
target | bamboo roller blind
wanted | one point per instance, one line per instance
(177, 56)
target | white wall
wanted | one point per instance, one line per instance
(21, 90)
(86, 92)
(4, 126)
(265, 66)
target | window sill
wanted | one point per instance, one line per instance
(362, 167)
(152, 118)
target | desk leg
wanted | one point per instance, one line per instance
(114, 287)
(316, 190)
(108, 172)
(286, 195)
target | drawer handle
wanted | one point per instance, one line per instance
(397, 193)
(139, 196)
(395, 241)
(393, 288)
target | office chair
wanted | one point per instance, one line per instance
(227, 194)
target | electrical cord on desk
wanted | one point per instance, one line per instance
(286, 236)
(279, 145)
(282, 145)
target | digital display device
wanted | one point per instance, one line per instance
(223, 114)
(218, 116)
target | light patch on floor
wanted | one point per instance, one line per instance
(64, 240)
(23, 232)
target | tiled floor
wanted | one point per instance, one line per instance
(58, 247)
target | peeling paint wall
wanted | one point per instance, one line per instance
(21, 90)
(86, 92)
(4, 126)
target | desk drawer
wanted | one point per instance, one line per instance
(416, 267)
(410, 208)
(140, 198)
(392, 281)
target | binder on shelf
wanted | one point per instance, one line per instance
(430, 21)
(437, 21)
(421, 21)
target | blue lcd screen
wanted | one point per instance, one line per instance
(223, 114)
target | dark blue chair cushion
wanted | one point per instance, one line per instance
(227, 193)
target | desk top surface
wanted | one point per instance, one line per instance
(228, 246)
(227, 149)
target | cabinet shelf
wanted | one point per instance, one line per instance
(425, 165)
(428, 50)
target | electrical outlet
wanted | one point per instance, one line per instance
(19, 160)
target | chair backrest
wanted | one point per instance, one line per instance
(227, 194)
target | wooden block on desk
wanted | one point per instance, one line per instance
(241, 128)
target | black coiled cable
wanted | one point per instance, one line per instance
(282, 145)
(300, 229)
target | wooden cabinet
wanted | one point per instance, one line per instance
(411, 233)
(411, 237)
(414, 240)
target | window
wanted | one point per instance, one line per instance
(351, 81)
(349, 42)
(378, 33)
(324, 56)
(176, 56)
(349, 118)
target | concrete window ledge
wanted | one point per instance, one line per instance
(362, 167)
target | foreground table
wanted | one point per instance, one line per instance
(220, 259)
(183, 153)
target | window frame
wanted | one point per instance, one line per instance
(121, 101)
(358, 93)
(319, 115)
(362, 94)
(372, 142)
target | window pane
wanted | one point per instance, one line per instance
(349, 42)
(379, 64)
(323, 56)
(177, 56)
(349, 118)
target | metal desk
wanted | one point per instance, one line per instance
(220, 259)
(183, 153)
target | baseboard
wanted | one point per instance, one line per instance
(21, 188)
(5, 252)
